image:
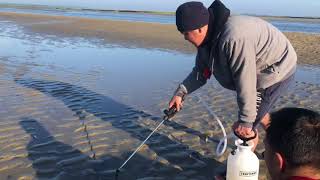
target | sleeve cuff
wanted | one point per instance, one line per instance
(245, 124)
(181, 91)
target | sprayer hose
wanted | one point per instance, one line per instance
(223, 140)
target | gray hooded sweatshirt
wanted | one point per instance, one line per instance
(248, 54)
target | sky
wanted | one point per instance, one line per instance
(299, 8)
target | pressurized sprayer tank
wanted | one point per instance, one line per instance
(242, 163)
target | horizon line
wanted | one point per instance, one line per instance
(137, 11)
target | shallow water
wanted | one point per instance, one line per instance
(135, 72)
(75, 108)
(117, 68)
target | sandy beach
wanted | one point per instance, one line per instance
(75, 108)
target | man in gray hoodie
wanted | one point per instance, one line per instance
(245, 54)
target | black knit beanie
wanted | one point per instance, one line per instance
(191, 15)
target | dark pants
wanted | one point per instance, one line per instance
(266, 98)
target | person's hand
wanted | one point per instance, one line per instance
(176, 101)
(243, 130)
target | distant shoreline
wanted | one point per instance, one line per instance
(138, 34)
(42, 7)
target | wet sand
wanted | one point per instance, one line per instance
(54, 129)
(58, 124)
(139, 34)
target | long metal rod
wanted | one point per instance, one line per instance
(141, 144)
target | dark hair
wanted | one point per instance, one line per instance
(295, 133)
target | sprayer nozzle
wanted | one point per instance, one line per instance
(117, 174)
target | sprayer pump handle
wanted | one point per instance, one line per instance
(246, 139)
(169, 113)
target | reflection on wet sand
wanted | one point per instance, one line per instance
(181, 160)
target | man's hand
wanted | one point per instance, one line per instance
(176, 101)
(243, 130)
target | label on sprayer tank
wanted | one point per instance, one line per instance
(247, 173)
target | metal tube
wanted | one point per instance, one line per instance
(141, 145)
(169, 113)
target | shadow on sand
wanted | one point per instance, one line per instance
(56, 160)
(123, 117)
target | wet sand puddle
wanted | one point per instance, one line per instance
(76, 109)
